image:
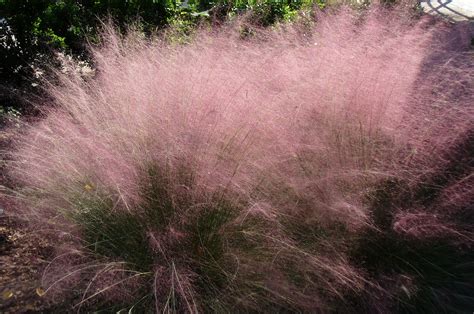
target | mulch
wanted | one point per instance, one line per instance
(23, 256)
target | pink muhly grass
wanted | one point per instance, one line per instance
(241, 166)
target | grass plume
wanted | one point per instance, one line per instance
(264, 172)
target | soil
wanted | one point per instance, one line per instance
(23, 256)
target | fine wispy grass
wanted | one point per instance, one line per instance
(308, 167)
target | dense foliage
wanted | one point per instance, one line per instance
(309, 167)
(31, 31)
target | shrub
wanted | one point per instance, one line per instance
(32, 31)
(231, 174)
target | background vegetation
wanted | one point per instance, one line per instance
(32, 32)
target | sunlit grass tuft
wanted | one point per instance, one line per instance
(290, 170)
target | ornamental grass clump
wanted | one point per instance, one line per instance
(230, 173)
